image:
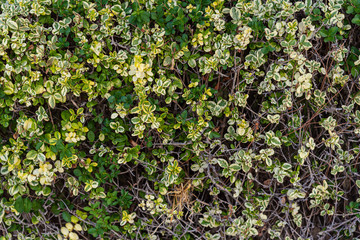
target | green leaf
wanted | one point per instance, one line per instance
(91, 136)
(46, 191)
(19, 205)
(192, 63)
(167, 61)
(77, 172)
(73, 59)
(323, 33)
(9, 88)
(317, 11)
(332, 31)
(4, 170)
(27, 205)
(116, 9)
(66, 216)
(235, 167)
(354, 72)
(286, 166)
(135, 120)
(93, 27)
(32, 154)
(87, 187)
(235, 13)
(350, 10)
(93, 232)
(34, 220)
(222, 163)
(145, 16)
(13, 25)
(358, 183)
(80, 111)
(356, 19)
(276, 141)
(41, 157)
(214, 135)
(52, 101)
(115, 228)
(36, 205)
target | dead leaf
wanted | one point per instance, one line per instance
(267, 182)
(217, 86)
(172, 64)
(15, 135)
(133, 143)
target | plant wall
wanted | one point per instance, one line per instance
(168, 119)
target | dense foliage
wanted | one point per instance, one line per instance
(168, 119)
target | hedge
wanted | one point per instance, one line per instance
(168, 119)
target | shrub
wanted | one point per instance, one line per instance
(191, 119)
